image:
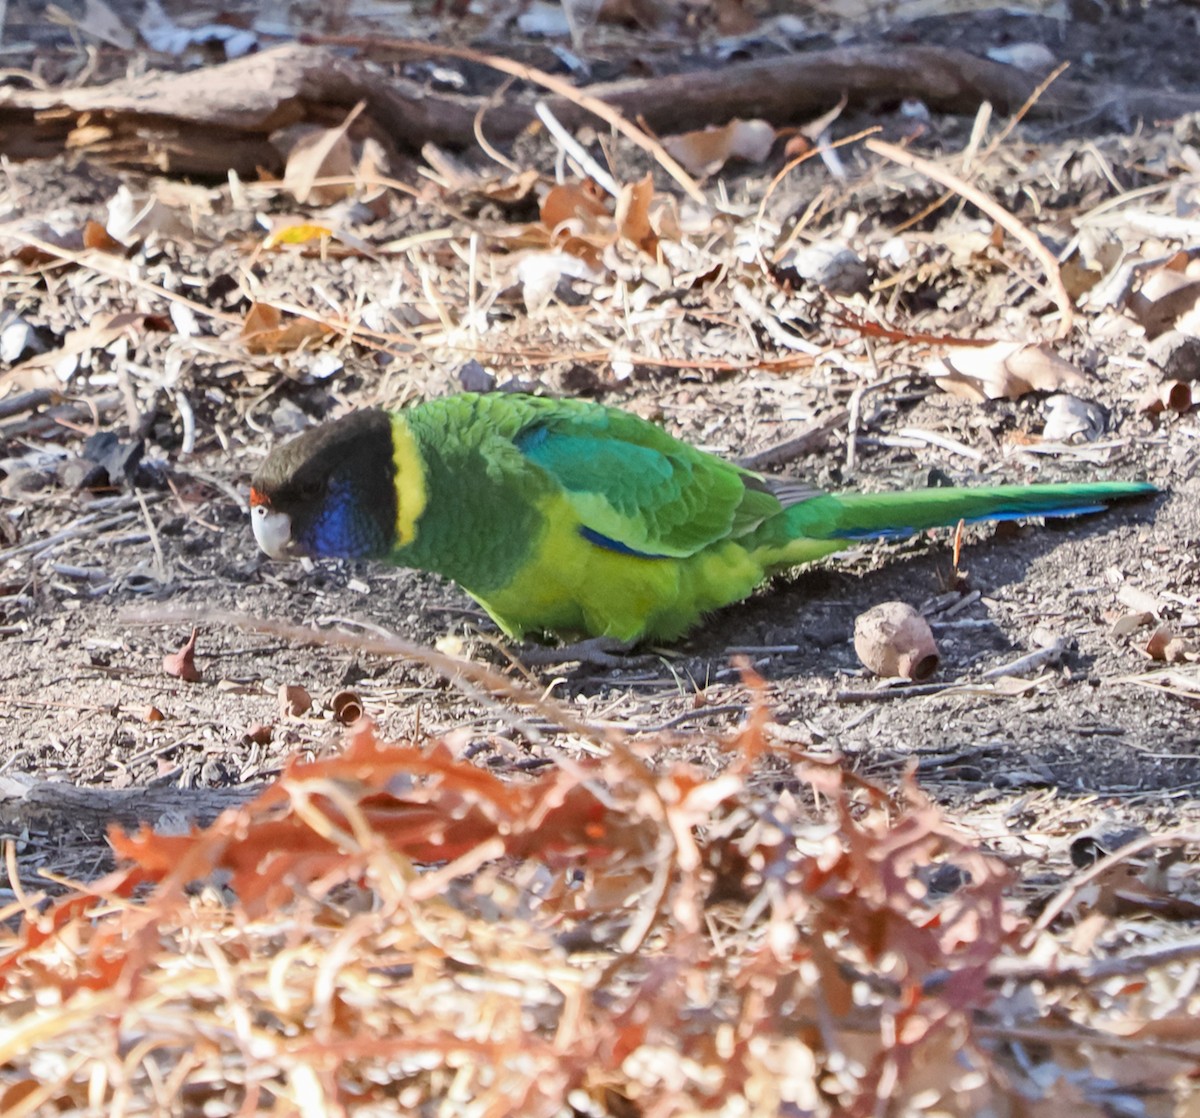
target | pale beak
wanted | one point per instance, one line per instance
(272, 530)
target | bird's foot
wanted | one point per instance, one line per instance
(600, 652)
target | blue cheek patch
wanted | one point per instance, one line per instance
(338, 530)
(592, 536)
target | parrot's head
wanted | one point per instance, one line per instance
(329, 492)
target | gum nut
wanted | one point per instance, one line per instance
(892, 639)
(347, 707)
(260, 733)
(294, 700)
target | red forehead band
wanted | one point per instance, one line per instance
(257, 498)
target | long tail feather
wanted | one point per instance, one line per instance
(875, 515)
(830, 522)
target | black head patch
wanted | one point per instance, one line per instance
(337, 484)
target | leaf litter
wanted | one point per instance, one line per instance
(394, 929)
(595, 907)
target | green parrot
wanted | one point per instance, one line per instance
(572, 518)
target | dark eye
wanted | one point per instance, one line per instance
(312, 490)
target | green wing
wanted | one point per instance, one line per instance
(634, 486)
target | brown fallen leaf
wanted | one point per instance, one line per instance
(1164, 645)
(265, 330)
(1005, 370)
(705, 152)
(573, 200)
(322, 153)
(633, 214)
(96, 236)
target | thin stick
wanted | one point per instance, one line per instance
(788, 450)
(998, 214)
(576, 150)
(1029, 662)
(855, 408)
(1072, 888)
(564, 89)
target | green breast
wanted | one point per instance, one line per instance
(481, 520)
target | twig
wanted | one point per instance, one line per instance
(611, 116)
(576, 150)
(855, 407)
(762, 314)
(887, 694)
(998, 214)
(783, 174)
(489, 149)
(1079, 1038)
(943, 441)
(809, 439)
(22, 402)
(1073, 887)
(160, 563)
(1136, 963)
(96, 262)
(84, 526)
(1049, 655)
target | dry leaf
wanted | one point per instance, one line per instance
(297, 233)
(1129, 623)
(1005, 371)
(96, 236)
(265, 330)
(182, 664)
(100, 334)
(1164, 645)
(633, 214)
(323, 153)
(576, 201)
(707, 151)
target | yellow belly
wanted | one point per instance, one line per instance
(573, 587)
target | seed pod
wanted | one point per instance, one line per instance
(347, 707)
(294, 700)
(892, 639)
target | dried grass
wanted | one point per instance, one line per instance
(394, 930)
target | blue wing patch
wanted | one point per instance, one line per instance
(600, 540)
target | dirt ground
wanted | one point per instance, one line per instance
(83, 695)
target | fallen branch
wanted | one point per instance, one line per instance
(59, 808)
(206, 122)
